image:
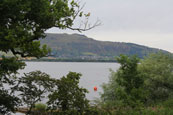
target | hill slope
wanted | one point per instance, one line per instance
(75, 46)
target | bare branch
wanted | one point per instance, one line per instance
(86, 26)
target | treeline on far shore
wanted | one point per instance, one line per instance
(67, 60)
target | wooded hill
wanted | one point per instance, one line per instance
(76, 46)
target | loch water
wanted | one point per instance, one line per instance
(93, 73)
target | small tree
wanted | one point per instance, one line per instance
(69, 96)
(33, 88)
(8, 72)
(158, 69)
(130, 81)
(126, 85)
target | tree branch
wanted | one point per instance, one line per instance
(86, 26)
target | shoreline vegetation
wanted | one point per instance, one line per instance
(145, 111)
(68, 60)
(53, 59)
(131, 90)
(142, 85)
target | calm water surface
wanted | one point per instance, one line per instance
(93, 74)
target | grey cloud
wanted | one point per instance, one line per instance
(144, 15)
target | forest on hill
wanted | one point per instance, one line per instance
(76, 46)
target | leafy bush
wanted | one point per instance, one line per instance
(143, 111)
(40, 107)
(126, 86)
(33, 86)
(168, 103)
(68, 96)
(94, 110)
(158, 71)
(135, 84)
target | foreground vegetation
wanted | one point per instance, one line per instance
(138, 87)
(22, 24)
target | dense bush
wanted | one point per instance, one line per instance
(68, 96)
(40, 107)
(126, 86)
(168, 103)
(158, 71)
(137, 85)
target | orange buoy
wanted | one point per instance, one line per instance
(95, 88)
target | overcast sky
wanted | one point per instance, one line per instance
(145, 22)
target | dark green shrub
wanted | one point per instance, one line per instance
(40, 107)
(168, 103)
(157, 69)
(96, 111)
(126, 86)
(68, 96)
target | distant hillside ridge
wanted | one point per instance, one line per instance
(76, 46)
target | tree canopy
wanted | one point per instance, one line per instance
(68, 96)
(158, 70)
(145, 82)
(22, 24)
(33, 87)
(126, 86)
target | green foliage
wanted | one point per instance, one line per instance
(8, 71)
(94, 110)
(168, 103)
(130, 81)
(68, 96)
(33, 86)
(126, 86)
(135, 87)
(109, 97)
(8, 102)
(40, 108)
(9, 66)
(158, 70)
(23, 22)
(144, 111)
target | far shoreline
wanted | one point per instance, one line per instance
(70, 60)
